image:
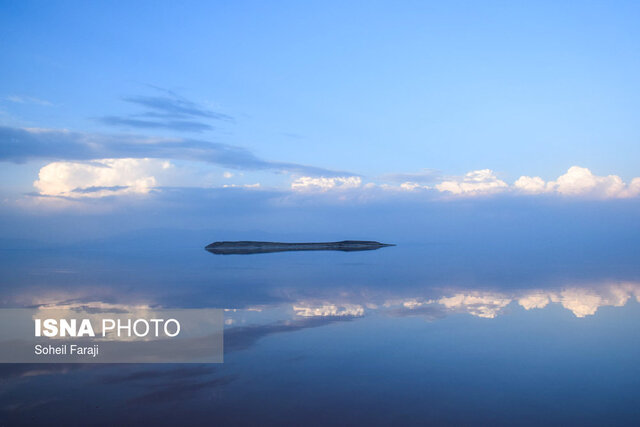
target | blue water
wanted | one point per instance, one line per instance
(418, 334)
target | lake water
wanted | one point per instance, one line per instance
(443, 332)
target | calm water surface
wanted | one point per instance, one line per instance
(436, 333)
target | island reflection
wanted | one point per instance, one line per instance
(251, 247)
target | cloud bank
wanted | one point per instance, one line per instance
(581, 301)
(576, 182)
(65, 147)
(579, 181)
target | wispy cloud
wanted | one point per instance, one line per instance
(20, 145)
(166, 111)
(422, 177)
(176, 106)
(243, 337)
(21, 99)
(180, 125)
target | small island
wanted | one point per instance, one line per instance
(249, 247)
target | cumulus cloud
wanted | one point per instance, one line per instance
(580, 301)
(583, 302)
(99, 178)
(411, 186)
(579, 181)
(308, 183)
(576, 182)
(534, 300)
(475, 182)
(486, 305)
(532, 185)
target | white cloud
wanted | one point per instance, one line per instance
(99, 178)
(475, 182)
(414, 303)
(579, 181)
(106, 177)
(410, 186)
(486, 305)
(633, 189)
(328, 310)
(583, 301)
(531, 185)
(576, 182)
(308, 183)
(534, 300)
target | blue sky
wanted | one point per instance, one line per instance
(366, 89)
